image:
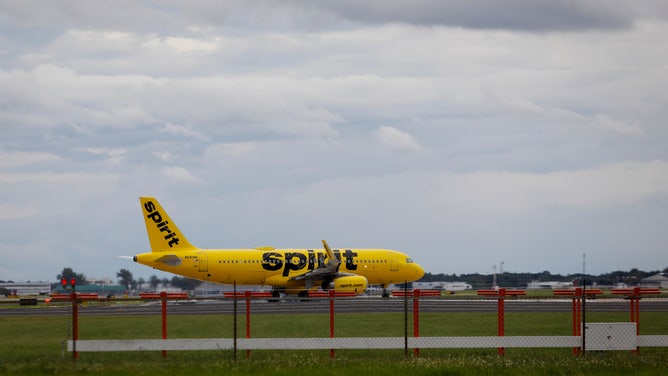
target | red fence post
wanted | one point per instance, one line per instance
(634, 295)
(75, 325)
(163, 299)
(577, 296)
(577, 316)
(501, 314)
(576, 300)
(416, 318)
(247, 294)
(332, 294)
(635, 313)
(501, 295)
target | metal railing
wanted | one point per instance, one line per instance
(498, 319)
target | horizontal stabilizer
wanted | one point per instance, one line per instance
(171, 260)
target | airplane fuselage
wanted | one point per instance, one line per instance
(276, 266)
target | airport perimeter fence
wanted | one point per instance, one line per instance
(410, 322)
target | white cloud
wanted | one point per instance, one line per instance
(25, 158)
(9, 211)
(612, 185)
(557, 115)
(183, 130)
(186, 45)
(115, 156)
(180, 175)
(396, 140)
(224, 151)
(493, 193)
(605, 123)
(92, 179)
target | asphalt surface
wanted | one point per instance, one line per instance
(343, 305)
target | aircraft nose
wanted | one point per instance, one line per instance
(419, 271)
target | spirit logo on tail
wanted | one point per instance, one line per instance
(163, 226)
(286, 270)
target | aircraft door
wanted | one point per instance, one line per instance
(203, 262)
(393, 262)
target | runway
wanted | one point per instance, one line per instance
(343, 305)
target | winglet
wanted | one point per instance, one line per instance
(333, 262)
(330, 254)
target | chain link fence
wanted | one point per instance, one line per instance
(409, 322)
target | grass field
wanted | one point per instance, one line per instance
(31, 346)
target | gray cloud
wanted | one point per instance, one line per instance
(524, 15)
(182, 18)
(420, 126)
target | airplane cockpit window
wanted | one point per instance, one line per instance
(409, 260)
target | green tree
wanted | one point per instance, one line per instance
(125, 278)
(140, 282)
(68, 274)
(187, 284)
(154, 282)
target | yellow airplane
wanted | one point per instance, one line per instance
(291, 271)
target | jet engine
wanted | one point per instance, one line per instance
(351, 283)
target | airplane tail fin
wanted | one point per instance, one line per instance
(162, 232)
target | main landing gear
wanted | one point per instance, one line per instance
(386, 292)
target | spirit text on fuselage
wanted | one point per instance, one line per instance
(295, 260)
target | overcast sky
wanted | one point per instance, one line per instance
(464, 133)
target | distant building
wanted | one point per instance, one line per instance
(442, 285)
(537, 285)
(27, 288)
(102, 291)
(657, 281)
(104, 281)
